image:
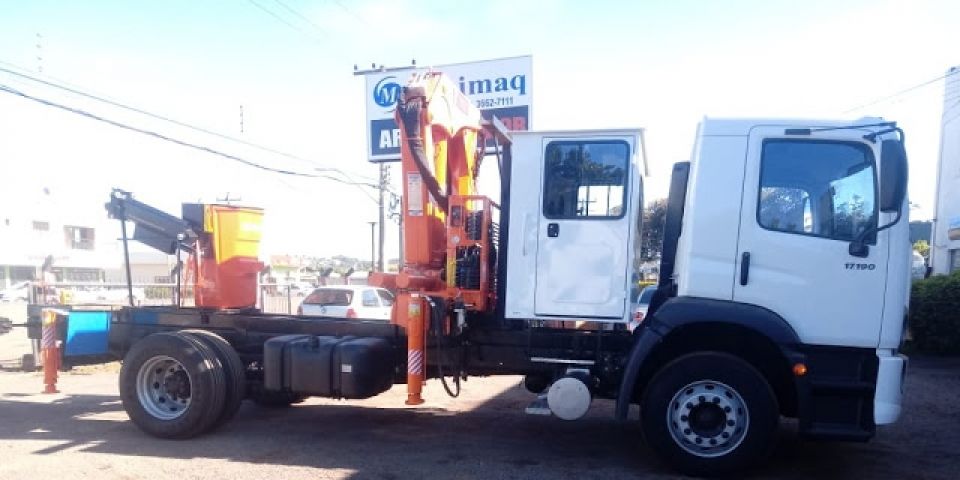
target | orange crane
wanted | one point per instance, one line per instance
(448, 229)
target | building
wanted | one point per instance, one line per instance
(37, 226)
(945, 245)
(145, 267)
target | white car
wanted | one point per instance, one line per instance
(298, 288)
(18, 292)
(918, 266)
(101, 295)
(641, 305)
(348, 301)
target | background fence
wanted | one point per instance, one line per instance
(271, 297)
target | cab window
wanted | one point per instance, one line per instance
(818, 188)
(585, 179)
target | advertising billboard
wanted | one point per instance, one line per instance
(500, 87)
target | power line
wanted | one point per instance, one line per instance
(202, 148)
(302, 17)
(282, 20)
(141, 111)
(353, 14)
(294, 187)
(903, 92)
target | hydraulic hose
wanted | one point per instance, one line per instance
(409, 110)
(436, 315)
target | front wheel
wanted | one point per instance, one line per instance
(709, 414)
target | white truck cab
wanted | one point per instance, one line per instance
(786, 259)
(771, 210)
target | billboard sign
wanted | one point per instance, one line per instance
(497, 87)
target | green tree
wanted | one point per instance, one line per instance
(922, 247)
(651, 239)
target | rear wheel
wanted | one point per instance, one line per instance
(709, 414)
(172, 385)
(235, 373)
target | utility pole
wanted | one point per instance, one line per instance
(373, 245)
(39, 53)
(400, 229)
(384, 180)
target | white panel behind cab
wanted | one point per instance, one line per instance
(586, 277)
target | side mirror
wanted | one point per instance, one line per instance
(893, 175)
(893, 191)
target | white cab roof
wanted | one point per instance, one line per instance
(637, 132)
(741, 126)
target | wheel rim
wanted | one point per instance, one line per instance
(708, 419)
(164, 387)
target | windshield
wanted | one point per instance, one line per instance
(329, 296)
(386, 298)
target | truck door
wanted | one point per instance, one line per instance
(804, 199)
(584, 227)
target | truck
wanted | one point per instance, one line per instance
(782, 293)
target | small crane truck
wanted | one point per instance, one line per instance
(783, 286)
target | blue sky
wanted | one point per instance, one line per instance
(657, 65)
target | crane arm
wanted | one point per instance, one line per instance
(410, 111)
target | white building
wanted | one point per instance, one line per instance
(945, 244)
(36, 224)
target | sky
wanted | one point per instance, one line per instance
(661, 66)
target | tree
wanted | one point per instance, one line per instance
(651, 239)
(922, 247)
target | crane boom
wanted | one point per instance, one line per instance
(449, 237)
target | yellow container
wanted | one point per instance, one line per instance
(236, 231)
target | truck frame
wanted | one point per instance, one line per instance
(782, 290)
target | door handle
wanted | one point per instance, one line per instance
(553, 230)
(744, 268)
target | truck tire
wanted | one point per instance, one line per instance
(709, 414)
(235, 373)
(172, 385)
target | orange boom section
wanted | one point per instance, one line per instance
(448, 230)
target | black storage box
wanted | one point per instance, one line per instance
(275, 375)
(343, 367)
(364, 367)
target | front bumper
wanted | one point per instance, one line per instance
(887, 401)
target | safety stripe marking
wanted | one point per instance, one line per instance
(415, 362)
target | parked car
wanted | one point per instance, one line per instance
(18, 292)
(918, 266)
(299, 288)
(641, 305)
(348, 301)
(98, 295)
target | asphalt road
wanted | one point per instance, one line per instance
(84, 433)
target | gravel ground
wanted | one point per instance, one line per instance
(84, 433)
